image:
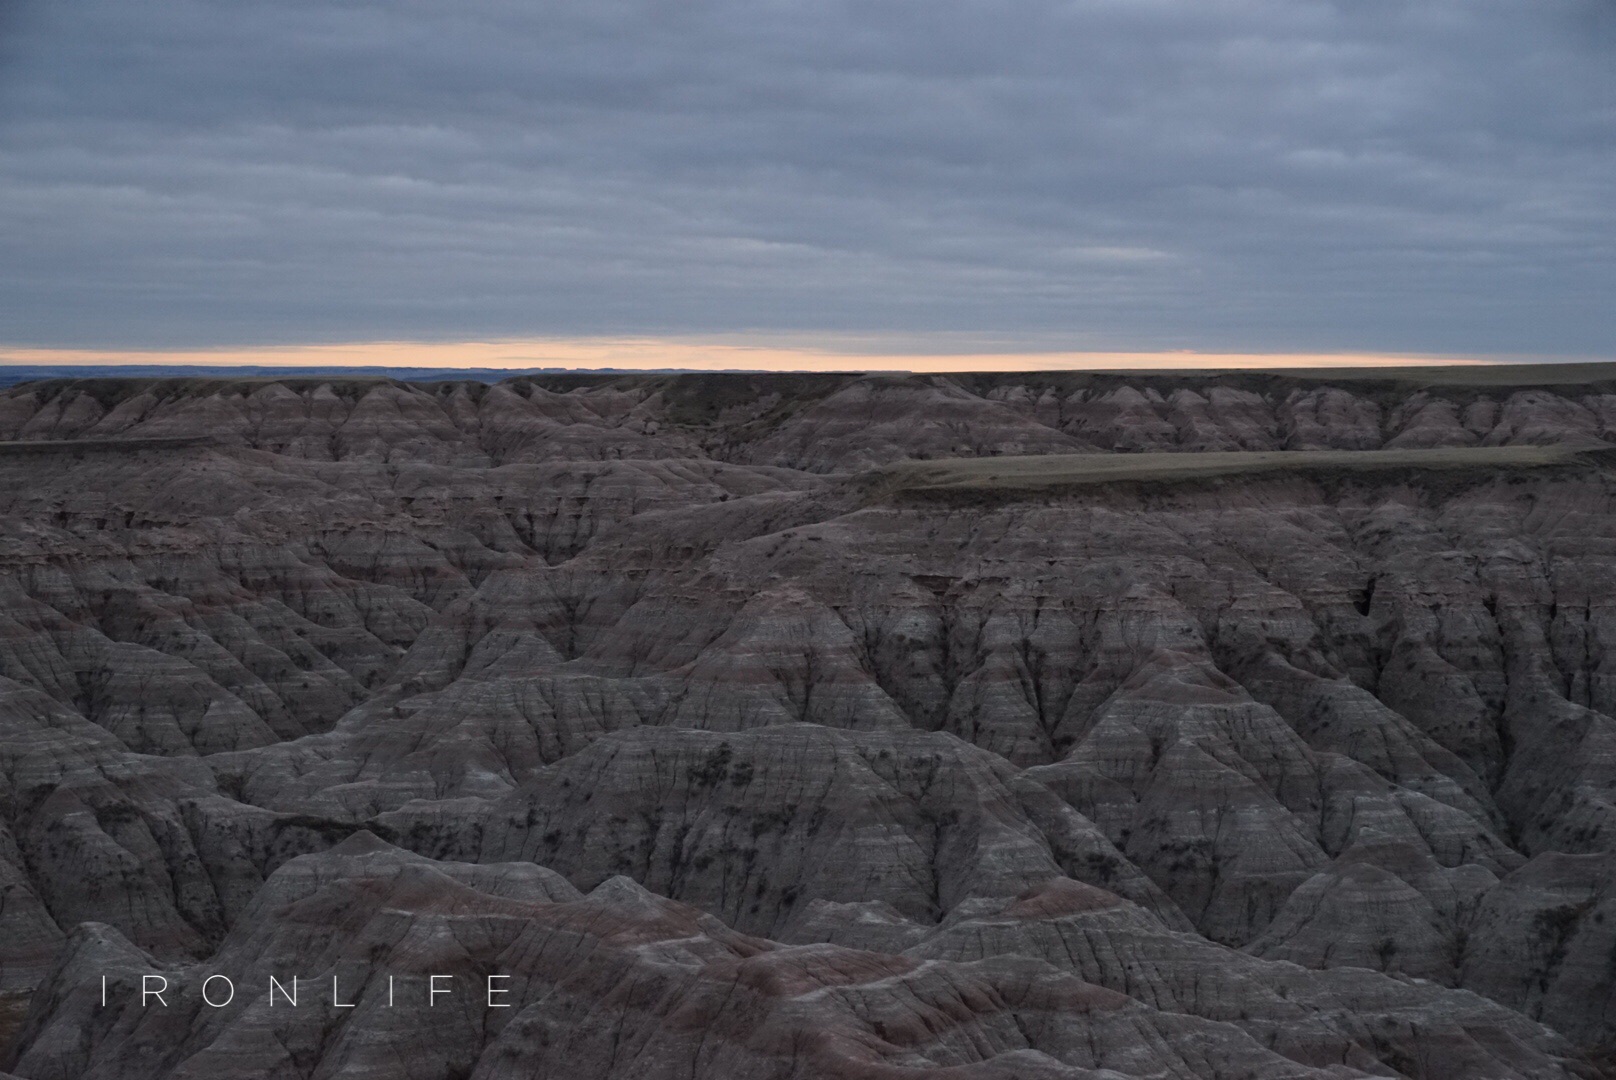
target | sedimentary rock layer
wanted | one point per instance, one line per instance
(741, 757)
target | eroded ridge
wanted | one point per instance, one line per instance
(1010, 726)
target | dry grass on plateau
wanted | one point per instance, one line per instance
(1073, 470)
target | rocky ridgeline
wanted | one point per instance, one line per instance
(816, 423)
(628, 689)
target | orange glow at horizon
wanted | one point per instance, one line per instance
(654, 353)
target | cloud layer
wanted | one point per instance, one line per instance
(1377, 175)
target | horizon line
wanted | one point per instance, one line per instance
(628, 354)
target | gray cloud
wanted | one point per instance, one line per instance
(1426, 175)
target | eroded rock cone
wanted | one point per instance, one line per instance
(746, 749)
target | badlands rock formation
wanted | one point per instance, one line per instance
(733, 743)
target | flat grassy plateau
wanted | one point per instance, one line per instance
(1076, 470)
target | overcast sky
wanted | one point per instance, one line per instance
(1434, 176)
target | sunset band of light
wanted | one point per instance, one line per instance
(654, 353)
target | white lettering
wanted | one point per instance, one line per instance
(103, 991)
(335, 1004)
(157, 993)
(432, 988)
(492, 1004)
(274, 985)
(389, 991)
(226, 1001)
